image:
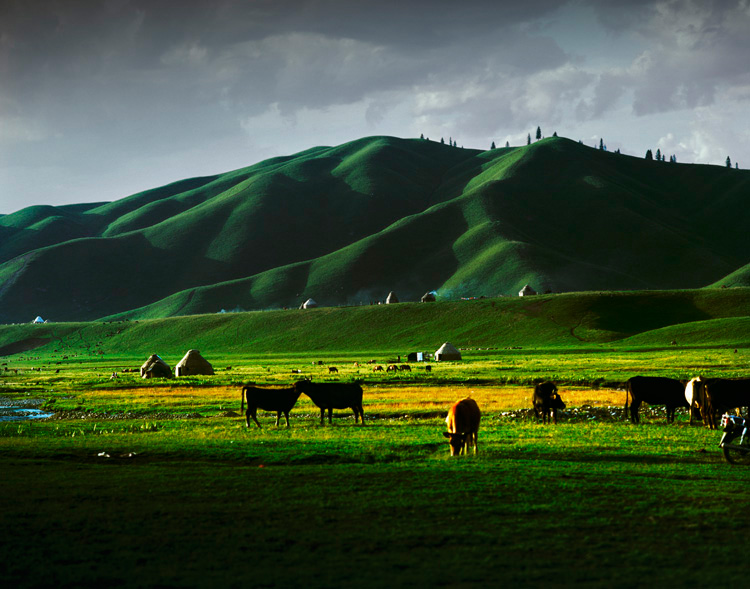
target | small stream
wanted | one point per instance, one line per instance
(21, 409)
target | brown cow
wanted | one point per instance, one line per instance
(463, 426)
(332, 369)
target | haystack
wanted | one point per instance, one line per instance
(155, 367)
(309, 304)
(428, 297)
(526, 291)
(392, 298)
(447, 352)
(193, 363)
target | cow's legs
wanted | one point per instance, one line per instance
(251, 413)
(322, 416)
(286, 414)
(330, 416)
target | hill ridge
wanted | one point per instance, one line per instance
(355, 221)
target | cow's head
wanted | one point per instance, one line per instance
(456, 442)
(556, 402)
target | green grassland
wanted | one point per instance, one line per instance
(159, 483)
(348, 224)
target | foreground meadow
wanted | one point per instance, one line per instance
(159, 483)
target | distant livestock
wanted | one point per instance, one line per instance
(377, 368)
(392, 368)
(278, 400)
(715, 396)
(546, 400)
(405, 367)
(463, 426)
(332, 369)
(333, 395)
(654, 390)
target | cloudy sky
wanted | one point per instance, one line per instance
(102, 99)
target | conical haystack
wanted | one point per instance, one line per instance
(155, 367)
(193, 363)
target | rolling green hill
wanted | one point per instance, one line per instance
(703, 317)
(348, 224)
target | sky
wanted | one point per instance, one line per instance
(103, 99)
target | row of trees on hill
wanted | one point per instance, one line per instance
(660, 157)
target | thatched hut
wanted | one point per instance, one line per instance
(155, 367)
(392, 298)
(526, 291)
(193, 363)
(447, 352)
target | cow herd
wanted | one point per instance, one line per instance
(707, 398)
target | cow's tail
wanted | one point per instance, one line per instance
(628, 393)
(242, 399)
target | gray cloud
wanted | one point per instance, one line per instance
(113, 96)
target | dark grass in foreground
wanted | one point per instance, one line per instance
(211, 503)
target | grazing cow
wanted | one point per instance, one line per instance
(391, 368)
(332, 369)
(279, 400)
(715, 396)
(654, 390)
(692, 389)
(546, 400)
(405, 367)
(333, 395)
(463, 426)
(377, 368)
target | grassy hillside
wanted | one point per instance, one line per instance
(655, 319)
(348, 224)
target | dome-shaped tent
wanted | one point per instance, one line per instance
(155, 367)
(309, 304)
(193, 363)
(447, 352)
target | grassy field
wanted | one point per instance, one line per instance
(159, 483)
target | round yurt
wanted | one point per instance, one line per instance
(38, 319)
(526, 291)
(428, 297)
(447, 352)
(392, 298)
(155, 367)
(309, 304)
(193, 363)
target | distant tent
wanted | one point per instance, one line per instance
(447, 352)
(155, 367)
(38, 319)
(428, 297)
(392, 298)
(526, 291)
(309, 304)
(193, 363)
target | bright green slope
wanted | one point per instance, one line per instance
(348, 224)
(651, 319)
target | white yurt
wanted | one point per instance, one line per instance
(447, 352)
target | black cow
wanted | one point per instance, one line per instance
(333, 395)
(718, 395)
(279, 400)
(545, 400)
(654, 390)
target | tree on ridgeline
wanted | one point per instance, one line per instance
(442, 141)
(538, 133)
(649, 155)
(421, 136)
(729, 162)
(601, 144)
(617, 151)
(493, 145)
(507, 144)
(554, 134)
(658, 155)
(528, 139)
